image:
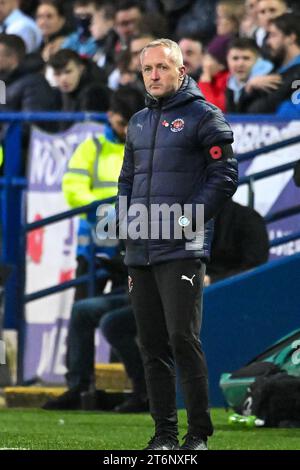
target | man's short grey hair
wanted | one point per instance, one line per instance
(176, 54)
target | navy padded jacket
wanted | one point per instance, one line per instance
(167, 160)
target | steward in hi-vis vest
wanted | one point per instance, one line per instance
(94, 168)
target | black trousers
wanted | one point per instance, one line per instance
(167, 303)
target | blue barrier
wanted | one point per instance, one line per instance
(243, 157)
(250, 180)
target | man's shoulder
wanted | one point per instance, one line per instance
(209, 118)
(292, 71)
(203, 107)
(27, 79)
(139, 115)
(18, 19)
(138, 118)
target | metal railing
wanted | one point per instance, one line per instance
(13, 213)
(93, 273)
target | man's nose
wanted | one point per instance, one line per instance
(154, 74)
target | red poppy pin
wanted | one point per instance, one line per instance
(215, 152)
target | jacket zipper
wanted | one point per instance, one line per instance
(149, 184)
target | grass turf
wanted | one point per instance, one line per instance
(47, 430)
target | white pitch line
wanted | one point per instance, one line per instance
(13, 448)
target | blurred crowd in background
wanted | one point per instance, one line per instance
(69, 56)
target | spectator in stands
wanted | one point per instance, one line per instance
(284, 46)
(187, 17)
(268, 10)
(26, 88)
(84, 183)
(114, 315)
(249, 22)
(121, 72)
(28, 6)
(102, 30)
(129, 14)
(136, 46)
(51, 20)
(240, 242)
(81, 40)
(14, 21)
(128, 66)
(244, 63)
(294, 6)
(80, 82)
(155, 25)
(192, 53)
(213, 80)
(228, 16)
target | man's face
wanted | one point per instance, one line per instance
(6, 7)
(192, 54)
(225, 22)
(251, 8)
(240, 63)
(119, 124)
(8, 61)
(277, 44)
(126, 23)
(268, 10)
(48, 19)
(136, 47)
(162, 77)
(68, 78)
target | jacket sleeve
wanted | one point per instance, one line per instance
(221, 175)
(77, 181)
(125, 182)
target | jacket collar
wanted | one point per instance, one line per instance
(292, 63)
(189, 91)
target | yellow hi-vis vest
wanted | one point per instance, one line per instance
(93, 171)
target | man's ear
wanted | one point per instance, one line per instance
(292, 38)
(182, 72)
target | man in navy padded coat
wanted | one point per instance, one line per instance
(178, 151)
